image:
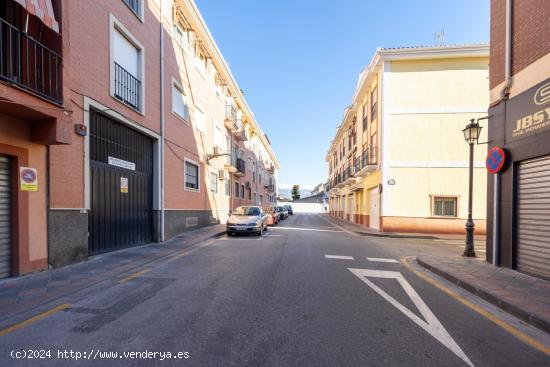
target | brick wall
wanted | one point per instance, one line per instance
(530, 33)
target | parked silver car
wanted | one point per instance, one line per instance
(247, 219)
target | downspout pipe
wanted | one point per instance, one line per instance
(162, 123)
(504, 94)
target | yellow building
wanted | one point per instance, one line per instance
(399, 162)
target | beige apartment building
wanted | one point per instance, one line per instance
(120, 124)
(398, 161)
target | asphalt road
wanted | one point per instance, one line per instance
(285, 299)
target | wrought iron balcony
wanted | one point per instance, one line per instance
(231, 118)
(369, 161)
(29, 64)
(241, 167)
(127, 88)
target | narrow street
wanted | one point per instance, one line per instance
(307, 293)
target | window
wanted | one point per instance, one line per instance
(249, 194)
(126, 67)
(374, 104)
(255, 199)
(242, 191)
(236, 189)
(253, 171)
(135, 5)
(181, 37)
(365, 116)
(227, 188)
(179, 102)
(200, 121)
(444, 206)
(261, 200)
(191, 176)
(213, 182)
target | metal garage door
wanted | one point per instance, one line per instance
(5, 217)
(121, 164)
(533, 217)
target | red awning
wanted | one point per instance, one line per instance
(43, 10)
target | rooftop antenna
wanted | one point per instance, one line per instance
(440, 38)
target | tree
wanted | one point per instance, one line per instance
(295, 192)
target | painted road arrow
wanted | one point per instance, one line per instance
(431, 325)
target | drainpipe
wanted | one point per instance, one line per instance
(161, 125)
(508, 52)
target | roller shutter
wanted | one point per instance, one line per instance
(5, 217)
(533, 217)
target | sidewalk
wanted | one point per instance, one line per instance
(365, 231)
(21, 294)
(524, 296)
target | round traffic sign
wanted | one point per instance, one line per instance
(495, 160)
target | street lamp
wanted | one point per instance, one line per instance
(471, 135)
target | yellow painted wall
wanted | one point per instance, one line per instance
(427, 105)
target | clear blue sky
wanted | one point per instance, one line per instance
(298, 60)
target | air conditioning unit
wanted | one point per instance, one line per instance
(218, 149)
(223, 175)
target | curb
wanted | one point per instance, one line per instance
(526, 316)
(395, 235)
(24, 313)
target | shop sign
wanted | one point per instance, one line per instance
(528, 113)
(28, 178)
(122, 163)
(124, 185)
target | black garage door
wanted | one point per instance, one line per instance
(121, 164)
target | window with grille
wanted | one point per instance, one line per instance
(191, 176)
(135, 5)
(444, 206)
(213, 183)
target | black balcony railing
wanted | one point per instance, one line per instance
(29, 64)
(127, 87)
(241, 166)
(134, 5)
(369, 157)
(231, 113)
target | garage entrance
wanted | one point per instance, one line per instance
(5, 217)
(121, 165)
(533, 217)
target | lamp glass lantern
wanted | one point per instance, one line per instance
(472, 132)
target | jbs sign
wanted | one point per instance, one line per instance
(528, 113)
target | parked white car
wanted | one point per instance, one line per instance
(247, 219)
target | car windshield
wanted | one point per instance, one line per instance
(246, 210)
(279, 208)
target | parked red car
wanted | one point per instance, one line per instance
(272, 216)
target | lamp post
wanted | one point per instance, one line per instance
(471, 135)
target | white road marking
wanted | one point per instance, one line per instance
(339, 257)
(307, 229)
(431, 325)
(380, 260)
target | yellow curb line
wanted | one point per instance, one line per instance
(43, 315)
(135, 275)
(509, 328)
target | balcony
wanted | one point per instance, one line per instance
(271, 169)
(231, 118)
(369, 161)
(127, 88)
(29, 64)
(240, 135)
(241, 167)
(270, 188)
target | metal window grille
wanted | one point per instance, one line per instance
(444, 206)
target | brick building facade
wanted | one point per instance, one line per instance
(519, 123)
(132, 122)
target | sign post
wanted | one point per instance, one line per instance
(496, 158)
